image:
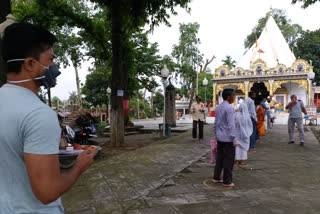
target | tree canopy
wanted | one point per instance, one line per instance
(229, 62)
(306, 3)
(308, 48)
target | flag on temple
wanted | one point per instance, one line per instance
(260, 51)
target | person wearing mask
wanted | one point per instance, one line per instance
(253, 116)
(224, 128)
(197, 110)
(31, 180)
(295, 117)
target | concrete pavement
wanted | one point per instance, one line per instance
(173, 176)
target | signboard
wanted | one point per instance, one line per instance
(316, 90)
(120, 93)
(311, 110)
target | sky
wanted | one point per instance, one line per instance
(224, 25)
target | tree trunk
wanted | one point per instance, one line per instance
(193, 87)
(49, 97)
(78, 86)
(118, 77)
(152, 105)
(5, 9)
(171, 107)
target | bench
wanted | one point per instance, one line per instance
(312, 115)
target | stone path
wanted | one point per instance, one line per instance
(169, 177)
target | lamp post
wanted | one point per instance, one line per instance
(138, 108)
(205, 83)
(164, 75)
(109, 93)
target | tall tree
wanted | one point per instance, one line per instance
(306, 3)
(5, 9)
(229, 62)
(308, 48)
(187, 56)
(126, 17)
(291, 32)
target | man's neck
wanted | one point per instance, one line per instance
(31, 85)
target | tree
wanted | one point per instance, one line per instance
(306, 3)
(56, 101)
(158, 102)
(187, 56)
(126, 17)
(308, 48)
(291, 32)
(95, 87)
(5, 9)
(229, 62)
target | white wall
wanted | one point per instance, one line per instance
(293, 88)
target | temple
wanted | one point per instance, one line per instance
(269, 67)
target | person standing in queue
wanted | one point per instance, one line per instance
(224, 128)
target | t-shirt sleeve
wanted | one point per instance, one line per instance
(302, 105)
(41, 132)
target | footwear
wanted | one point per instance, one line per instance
(217, 181)
(193, 139)
(291, 142)
(228, 185)
(301, 143)
(242, 163)
(253, 150)
(201, 140)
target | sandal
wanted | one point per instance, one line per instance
(228, 185)
(217, 181)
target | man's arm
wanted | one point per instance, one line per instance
(290, 105)
(304, 110)
(231, 123)
(47, 181)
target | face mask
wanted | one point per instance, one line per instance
(49, 78)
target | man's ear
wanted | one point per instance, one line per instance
(28, 63)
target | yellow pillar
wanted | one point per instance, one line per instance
(271, 87)
(246, 89)
(309, 92)
(214, 96)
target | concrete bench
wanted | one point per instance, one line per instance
(312, 120)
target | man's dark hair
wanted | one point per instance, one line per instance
(226, 93)
(197, 96)
(258, 100)
(23, 40)
(251, 93)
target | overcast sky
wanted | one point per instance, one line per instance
(224, 25)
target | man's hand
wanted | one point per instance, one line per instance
(235, 144)
(84, 160)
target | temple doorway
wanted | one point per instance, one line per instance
(260, 89)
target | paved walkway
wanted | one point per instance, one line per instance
(173, 176)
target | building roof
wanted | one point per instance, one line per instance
(274, 48)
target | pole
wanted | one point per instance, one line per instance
(138, 109)
(197, 82)
(164, 108)
(205, 99)
(109, 109)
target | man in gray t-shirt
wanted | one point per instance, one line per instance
(31, 180)
(295, 117)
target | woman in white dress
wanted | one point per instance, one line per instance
(243, 132)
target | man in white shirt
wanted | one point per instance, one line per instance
(197, 110)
